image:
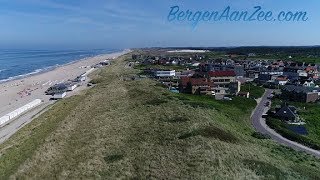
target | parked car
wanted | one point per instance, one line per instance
(227, 99)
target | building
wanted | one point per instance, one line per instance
(309, 83)
(253, 74)
(59, 95)
(81, 78)
(294, 73)
(244, 94)
(196, 86)
(300, 93)
(239, 70)
(225, 82)
(171, 73)
(281, 80)
(234, 87)
(105, 63)
(185, 74)
(58, 88)
(71, 86)
(272, 72)
(222, 78)
(288, 114)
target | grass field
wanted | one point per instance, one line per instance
(284, 57)
(139, 130)
(255, 91)
(162, 67)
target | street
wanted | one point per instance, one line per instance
(260, 125)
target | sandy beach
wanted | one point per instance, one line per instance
(17, 93)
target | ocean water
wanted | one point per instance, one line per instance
(15, 64)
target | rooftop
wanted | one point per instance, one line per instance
(222, 73)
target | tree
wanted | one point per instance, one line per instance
(188, 88)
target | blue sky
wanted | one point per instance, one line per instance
(87, 24)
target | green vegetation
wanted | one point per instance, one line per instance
(310, 113)
(211, 132)
(254, 90)
(300, 58)
(260, 135)
(139, 130)
(283, 129)
(264, 169)
(96, 81)
(23, 144)
(299, 54)
(161, 67)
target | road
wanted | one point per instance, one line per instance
(260, 125)
(11, 128)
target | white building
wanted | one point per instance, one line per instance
(303, 73)
(309, 84)
(72, 87)
(59, 95)
(165, 73)
(16, 113)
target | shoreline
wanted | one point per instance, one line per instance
(18, 92)
(9, 93)
(52, 68)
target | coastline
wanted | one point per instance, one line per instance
(18, 92)
(53, 67)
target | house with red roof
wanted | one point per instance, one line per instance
(225, 81)
(282, 80)
(196, 85)
(222, 78)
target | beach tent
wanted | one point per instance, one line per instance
(20, 110)
(4, 120)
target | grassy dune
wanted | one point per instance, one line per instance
(138, 130)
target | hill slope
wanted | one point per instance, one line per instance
(137, 129)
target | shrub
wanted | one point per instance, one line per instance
(113, 158)
(264, 169)
(260, 135)
(211, 132)
(96, 81)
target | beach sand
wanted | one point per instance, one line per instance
(15, 94)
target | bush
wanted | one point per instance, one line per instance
(260, 135)
(264, 169)
(211, 132)
(96, 81)
(113, 158)
(255, 91)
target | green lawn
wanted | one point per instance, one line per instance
(255, 91)
(162, 67)
(139, 130)
(283, 57)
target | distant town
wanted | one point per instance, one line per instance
(196, 74)
(293, 84)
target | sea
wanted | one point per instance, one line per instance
(16, 64)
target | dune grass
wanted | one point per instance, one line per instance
(138, 130)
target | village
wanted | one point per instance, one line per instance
(223, 79)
